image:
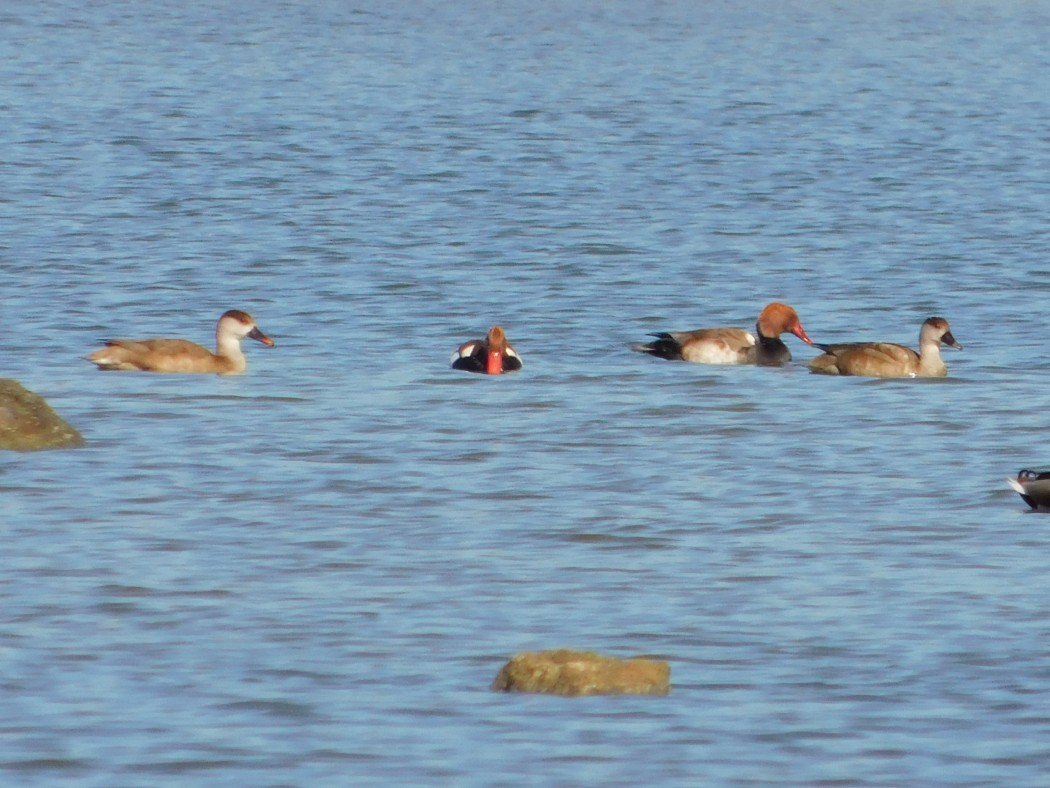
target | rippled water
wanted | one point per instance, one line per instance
(311, 574)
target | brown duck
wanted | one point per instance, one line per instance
(180, 355)
(887, 360)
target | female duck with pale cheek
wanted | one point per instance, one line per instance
(492, 355)
(887, 360)
(180, 355)
(732, 345)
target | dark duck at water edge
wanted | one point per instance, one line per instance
(492, 355)
(1033, 487)
(732, 345)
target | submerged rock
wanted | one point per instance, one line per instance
(573, 673)
(28, 423)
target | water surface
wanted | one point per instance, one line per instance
(310, 574)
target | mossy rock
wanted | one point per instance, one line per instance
(27, 422)
(575, 673)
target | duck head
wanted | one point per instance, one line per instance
(777, 318)
(497, 346)
(238, 325)
(937, 331)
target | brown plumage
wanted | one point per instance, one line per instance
(888, 360)
(180, 355)
(732, 345)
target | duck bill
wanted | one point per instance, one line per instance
(949, 340)
(800, 332)
(494, 362)
(259, 336)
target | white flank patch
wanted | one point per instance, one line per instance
(465, 351)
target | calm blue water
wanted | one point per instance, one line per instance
(309, 575)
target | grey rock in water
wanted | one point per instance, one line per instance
(27, 422)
